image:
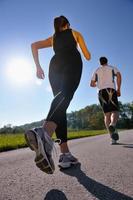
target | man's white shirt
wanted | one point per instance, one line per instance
(105, 77)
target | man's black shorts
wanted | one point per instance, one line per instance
(108, 100)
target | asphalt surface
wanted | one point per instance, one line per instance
(105, 172)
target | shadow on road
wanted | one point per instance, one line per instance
(128, 146)
(55, 195)
(100, 191)
(125, 145)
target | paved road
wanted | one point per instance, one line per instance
(105, 173)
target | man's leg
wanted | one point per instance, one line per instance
(112, 126)
(107, 119)
(114, 118)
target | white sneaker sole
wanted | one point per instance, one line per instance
(67, 165)
(40, 151)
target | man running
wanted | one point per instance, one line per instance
(108, 81)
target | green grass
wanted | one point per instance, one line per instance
(15, 141)
(80, 134)
(11, 141)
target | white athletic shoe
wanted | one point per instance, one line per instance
(113, 142)
(67, 160)
(40, 142)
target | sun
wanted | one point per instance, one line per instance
(20, 71)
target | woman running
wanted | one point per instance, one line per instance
(64, 75)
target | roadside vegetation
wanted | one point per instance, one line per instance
(16, 141)
(86, 122)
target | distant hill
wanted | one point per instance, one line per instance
(31, 125)
(88, 118)
(20, 129)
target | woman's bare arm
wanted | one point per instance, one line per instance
(40, 45)
(35, 47)
(80, 40)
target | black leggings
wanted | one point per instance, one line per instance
(64, 83)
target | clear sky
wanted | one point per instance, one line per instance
(107, 27)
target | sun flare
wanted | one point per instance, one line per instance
(20, 71)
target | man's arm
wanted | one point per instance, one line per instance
(94, 79)
(118, 83)
(93, 83)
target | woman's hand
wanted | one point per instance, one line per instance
(40, 73)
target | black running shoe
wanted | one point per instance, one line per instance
(113, 133)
